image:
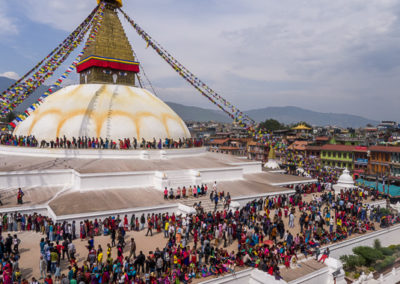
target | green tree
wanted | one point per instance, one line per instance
(387, 262)
(377, 244)
(350, 262)
(271, 125)
(371, 255)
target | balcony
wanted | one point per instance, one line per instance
(360, 161)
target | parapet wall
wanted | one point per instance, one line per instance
(118, 180)
(100, 153)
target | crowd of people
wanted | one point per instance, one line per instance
(195, 191)
(216, 197)
(99, 143)
(267, 233)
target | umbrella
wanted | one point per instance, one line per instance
(268, 242)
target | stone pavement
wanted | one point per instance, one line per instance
(304, 268)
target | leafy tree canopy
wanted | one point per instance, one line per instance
(272, 125)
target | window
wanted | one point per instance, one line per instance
(339, 155)
(334, 154)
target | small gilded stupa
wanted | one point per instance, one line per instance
(272, 163)
(106, 103)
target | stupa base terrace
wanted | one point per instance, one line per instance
(81, 181)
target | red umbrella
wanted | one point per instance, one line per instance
(268, 242)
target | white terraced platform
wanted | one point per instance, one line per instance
(88, 170)
(103, 180)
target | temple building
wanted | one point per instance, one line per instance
(107, 103)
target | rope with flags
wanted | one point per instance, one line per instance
(199, 85)
(34, 78)
(238, 116)
(95, 23)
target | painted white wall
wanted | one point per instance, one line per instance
(388, 236)
(100, 153)
(249, 167)
(36, 178)
(221, 174)
(98, 181)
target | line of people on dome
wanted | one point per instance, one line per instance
(99, 143)
(197, 245)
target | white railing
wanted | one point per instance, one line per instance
(391, 277)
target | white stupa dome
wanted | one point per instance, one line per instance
(103, 110)
(345, 178)
(345, 182)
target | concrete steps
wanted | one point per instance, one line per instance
(206, 203)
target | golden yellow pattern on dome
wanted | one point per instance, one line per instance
(101, 114)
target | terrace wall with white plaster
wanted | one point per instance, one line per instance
(221, 174)
(305, 181)
(249, 167)
(98, 181)
(116, 180)
(100, 153)
(387, 236)
(36, 178)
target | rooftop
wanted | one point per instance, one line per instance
(322, 138)
(339, 148)
(298, 145)
(301, 127)
(385, 149)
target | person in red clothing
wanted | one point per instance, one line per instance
(324, 256)
(165, 193)
(184, 192)
(48, 279)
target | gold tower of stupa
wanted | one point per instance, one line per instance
(105, 104)
(109, 59)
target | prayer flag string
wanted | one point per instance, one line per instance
(21, 89)
(95, 22)
(199, 85)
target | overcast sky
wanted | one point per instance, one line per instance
(330, 56)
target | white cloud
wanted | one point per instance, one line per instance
(62, 15)
(327, 55)
(10, 75)
(7, 23)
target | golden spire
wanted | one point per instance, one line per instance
(109, 58)
(271, 153)
(118, 3)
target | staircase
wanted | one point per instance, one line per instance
(180, 178)
(206, 203)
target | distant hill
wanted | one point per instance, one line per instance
(6, 82)
(191, 113)
(291, 114)
(287, 115)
